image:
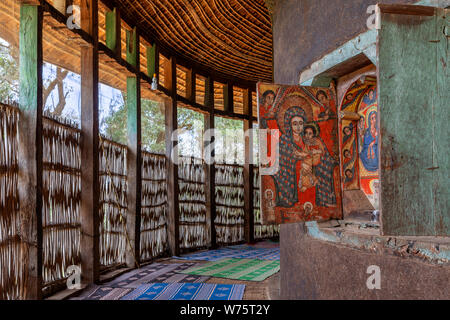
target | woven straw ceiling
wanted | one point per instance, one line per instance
(233, 37)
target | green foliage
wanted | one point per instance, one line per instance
(152, 121)
(153, 124)
(9, 72)
(230, 140)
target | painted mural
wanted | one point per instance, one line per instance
(350, 155)
(306, 184)
(359, 140)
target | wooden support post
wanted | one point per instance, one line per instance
(153, 61)
(90, 183)
(134, 190)
(210, 168)
(248, 170)
(228, 98)
(172, 159)
(113, 31)
(190, 85)
(30, 144)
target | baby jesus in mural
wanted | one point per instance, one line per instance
(311, 155)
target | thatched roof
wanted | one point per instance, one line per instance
(243, 52)
(233, 37)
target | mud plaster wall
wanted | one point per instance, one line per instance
(314, 266)
(306, 30)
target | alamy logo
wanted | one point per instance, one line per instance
(74, 20)
(374, 281)
(74, 280)
(373, 22)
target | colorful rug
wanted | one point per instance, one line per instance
(104, 293)
(239, 252)
(156, 273)
(238, 269)
(187, 291)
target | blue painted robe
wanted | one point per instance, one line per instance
(371, 164)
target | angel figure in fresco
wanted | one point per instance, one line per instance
(370, 97)
(302, 161)
(268, 116)
(369, 152)
(324, 100)
(347, 131)
(266, 107)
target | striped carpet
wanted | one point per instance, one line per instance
(156, 273)
(104, 293)
(187, 291)
(153, 273)
(238, 269)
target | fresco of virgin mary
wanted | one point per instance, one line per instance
(306, 181)
(296, 160)
(369, 152)
(290, 154)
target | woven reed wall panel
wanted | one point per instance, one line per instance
(229, 195)
(113, 203)
(192, 200)
(13, 251)
(261, 231)
(154, 206)
(61, 195)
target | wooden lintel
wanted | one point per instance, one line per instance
(30, 2)
(406, 9)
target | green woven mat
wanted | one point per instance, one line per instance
(238, 269)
